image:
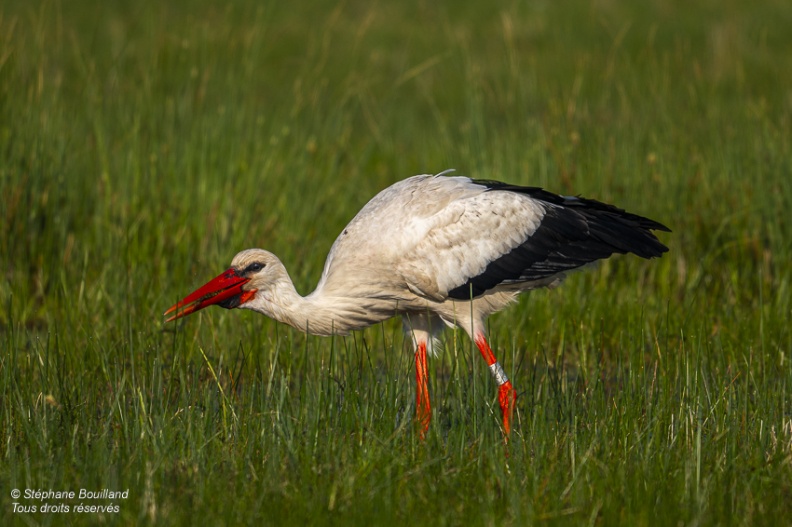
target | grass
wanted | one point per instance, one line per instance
(142, 145)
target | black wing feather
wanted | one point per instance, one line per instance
(574, 231)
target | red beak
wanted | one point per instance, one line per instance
(224, 290)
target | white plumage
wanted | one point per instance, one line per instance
(438, 251)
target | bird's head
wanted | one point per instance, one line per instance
(250, 271)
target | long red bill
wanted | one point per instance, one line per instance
(227, 287)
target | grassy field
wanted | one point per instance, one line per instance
(143, 144)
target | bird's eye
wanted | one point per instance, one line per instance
(255, 267)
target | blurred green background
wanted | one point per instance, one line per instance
(142, 144)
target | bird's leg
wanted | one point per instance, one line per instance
(506, 394)
(423, 410)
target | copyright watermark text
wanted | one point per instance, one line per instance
(46, 501)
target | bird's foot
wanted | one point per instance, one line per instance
(423, 416)
(507, 398)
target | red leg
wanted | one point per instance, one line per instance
(423, 410)
(506, 394)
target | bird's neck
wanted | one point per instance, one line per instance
(318, 313)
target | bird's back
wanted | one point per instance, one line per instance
(426, 233)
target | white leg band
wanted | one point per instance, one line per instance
(497, 372)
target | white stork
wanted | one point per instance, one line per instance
(439, 251)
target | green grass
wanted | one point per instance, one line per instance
(142, 146)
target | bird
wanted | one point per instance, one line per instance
(440, 251)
